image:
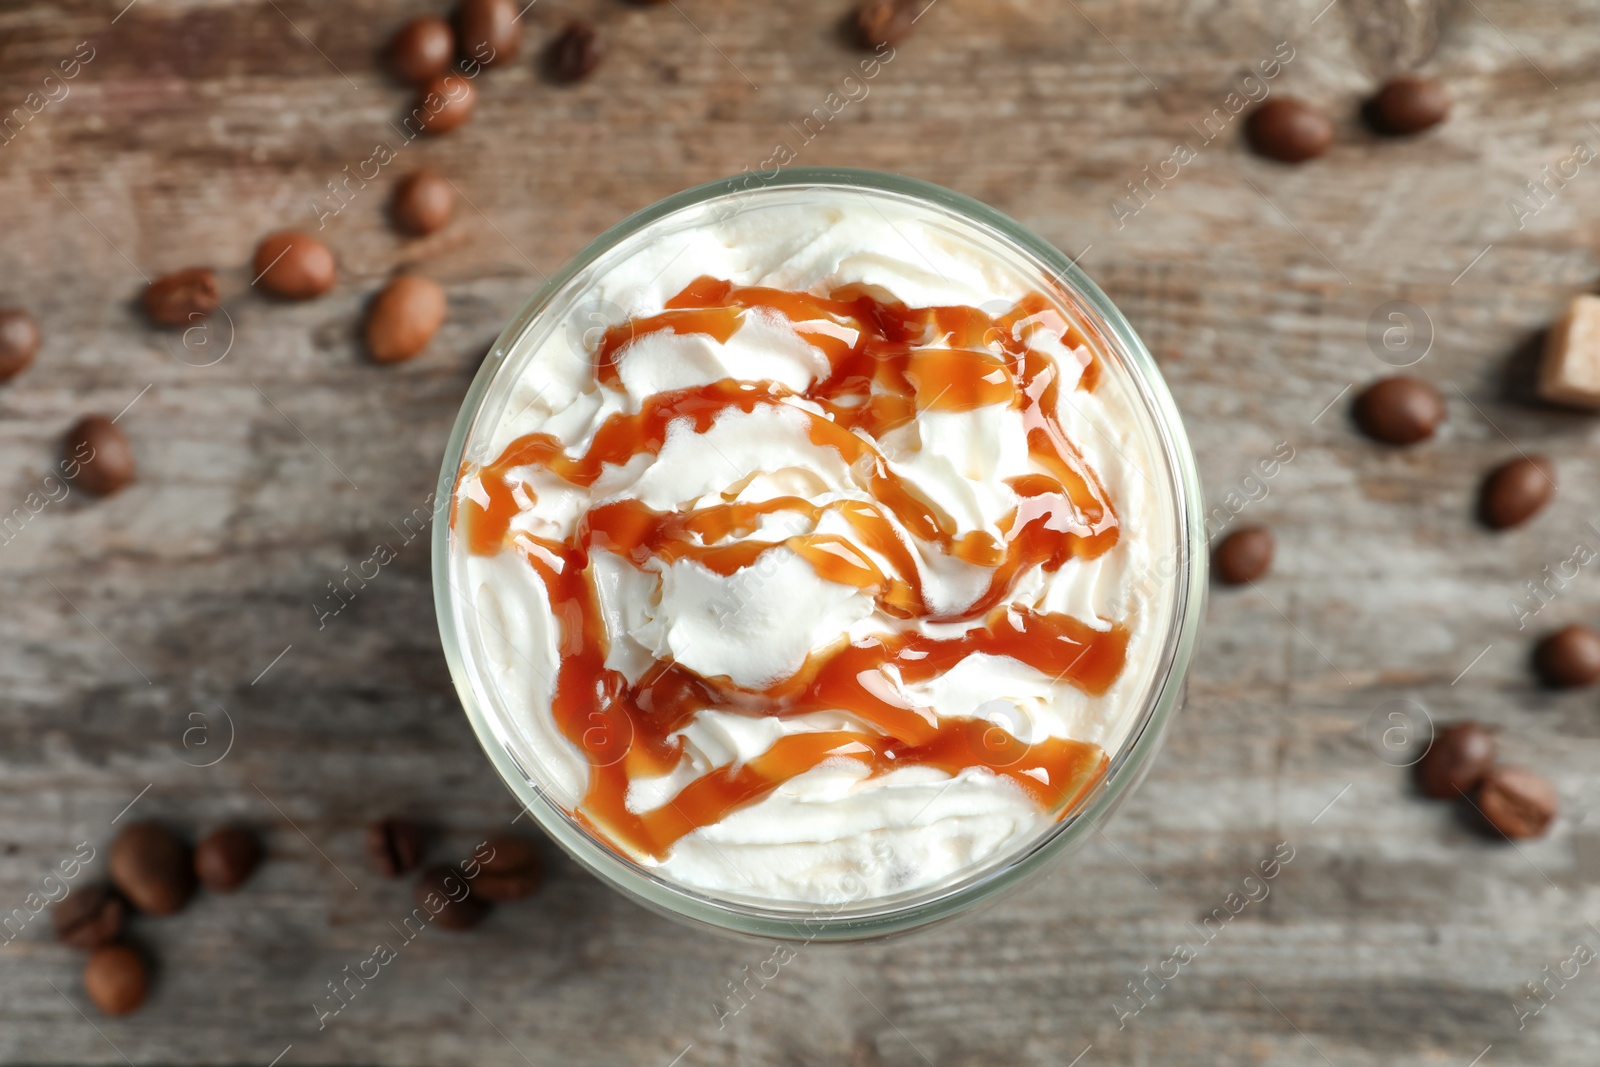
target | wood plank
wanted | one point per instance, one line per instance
(1395, 937)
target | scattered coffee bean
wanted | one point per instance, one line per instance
(152, 868)
(422, 49)
(1460, 755)
(447, 894)
(19, 342)
(514, 869)
(226, 857)
(404, 317)
(115, 979)
(98, 457)
(1288, 130)
(1569, 657)
(89, 917)
(1399, 411)
(1409, 104)
(445, 104)
(423, 203)
(394, 847)
(1244, 555)
(1514, 491)
(180, 298)
(885, 22)
(1517, 802)
(574, 54)
(488, 31)
(294, 266)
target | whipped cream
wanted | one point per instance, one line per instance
(914, 826)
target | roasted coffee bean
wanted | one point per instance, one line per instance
(423, 203)
(513, 870)
(487, 31)
(115, 979)
(180, 298)
(97, 456)
(1399, 411)
(885, 22)
(422, 49)
(450, 899)
(1515, 491)
(294, 266)
(152, 868)
(1569, 657)
(1517, 802)
(19, 342)
(404, 317)
(1409, 104)
(574, 54)
(226, 857)
(1461, 754)
(89, 917)
(394, 847)
(444, 104)
(1288, 130)
(1244, 555)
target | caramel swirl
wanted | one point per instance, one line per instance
(887, 364)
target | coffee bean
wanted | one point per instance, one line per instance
(403, 318)
(1244, 555)
(394, 847)
(1399, 411)
(180, 298)
(513, 870)
(1514, 491)
(115, 979)
(423, 203)
(444, 104)
(294, 266)
(226, 857)
(488, 31)
(448, 896)
(98, 457)
(1409, 104)
(1288, 130)
(422, 49)
(885, 22)
(1517, 802)
(152, 868)
(1569, 657)
(19, 342)
(89, 917)
(574, 54)
(1460, 755)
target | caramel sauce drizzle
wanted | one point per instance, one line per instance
(888, 363)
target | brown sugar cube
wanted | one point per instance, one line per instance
(1570, 372)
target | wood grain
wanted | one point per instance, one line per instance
(1396, 936)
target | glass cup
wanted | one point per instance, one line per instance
(1173, 580)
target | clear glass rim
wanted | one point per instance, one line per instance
(823, 922)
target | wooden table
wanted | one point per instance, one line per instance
(1396, 935)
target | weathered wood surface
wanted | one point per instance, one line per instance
(1395, 936)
